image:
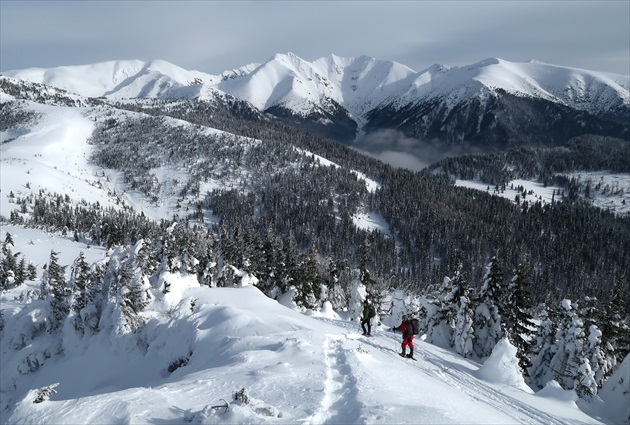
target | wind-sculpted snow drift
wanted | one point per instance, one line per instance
(313, 368)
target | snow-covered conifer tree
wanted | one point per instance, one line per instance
(8, 264)
(441, 323)
(358, 294)
(464, 332)
(488, 329)
(543, 349)
(517, 322)
(59, 296)
(307, 282)
(94, 297)
(615, 325)
(571, 368)
(79, 280)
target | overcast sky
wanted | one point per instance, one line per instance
(214, 36)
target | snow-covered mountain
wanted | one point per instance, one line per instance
(79, 167)
(492, 100)
(120, 79)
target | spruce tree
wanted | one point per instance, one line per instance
(464, 332)
(616, 323)
(571, 368)
(518, 325)
(31, 271)
(59, 292)
(488, 328)
(543, 348)
(79, 281)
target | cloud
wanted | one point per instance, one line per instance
(214, 36)
(398, 150)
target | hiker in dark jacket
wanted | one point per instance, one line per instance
(366, 318)
(407, 332)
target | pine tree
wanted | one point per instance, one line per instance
(543, 348)
(517, 323)
(488, 327)
(59, 292)
(79, 281)
(271, 259)
(464, 333)
(441, 322)
(31, 271)
(290, 269)
(593, 349)
(91, 313)
(20, 272)
(616, 323)
(131, 292)
(571, 368)
(8, 266)
(307, 282)
(8, 241)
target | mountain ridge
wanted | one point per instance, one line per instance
(382, 80)
(380, 106)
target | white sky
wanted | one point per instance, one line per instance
(214, 36)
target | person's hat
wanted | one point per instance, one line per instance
(404, 316)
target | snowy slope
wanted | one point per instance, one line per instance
(308, 368)
(613, 195)
(581, 89)
(298, 368)
(357, 84)
(52, 152)
(120, 79)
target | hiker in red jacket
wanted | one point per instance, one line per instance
(407, 332)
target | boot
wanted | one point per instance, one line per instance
(410, 355)
(404, 351)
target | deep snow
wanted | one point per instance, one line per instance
(296, 367)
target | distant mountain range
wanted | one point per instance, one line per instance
(490, 105)
(153, 139)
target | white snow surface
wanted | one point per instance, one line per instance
(610, 191)
(53, 153)
(534, 191)
(120, 79)
(358, 84)
(308, 367)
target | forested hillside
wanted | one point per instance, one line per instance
(247, 195)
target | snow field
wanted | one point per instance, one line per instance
(296, 369)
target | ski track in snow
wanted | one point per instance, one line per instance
(475, 389)
(433, 366)
(339, 403)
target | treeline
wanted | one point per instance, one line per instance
(434, 225)
(547, 165)
(573, 249)
(574, 343)
(578, 345)
(40, 93)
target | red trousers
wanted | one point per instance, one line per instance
(408, 342)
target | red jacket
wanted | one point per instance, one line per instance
(406, 329)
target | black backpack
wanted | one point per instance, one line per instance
(372, 312)
(415, 325)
